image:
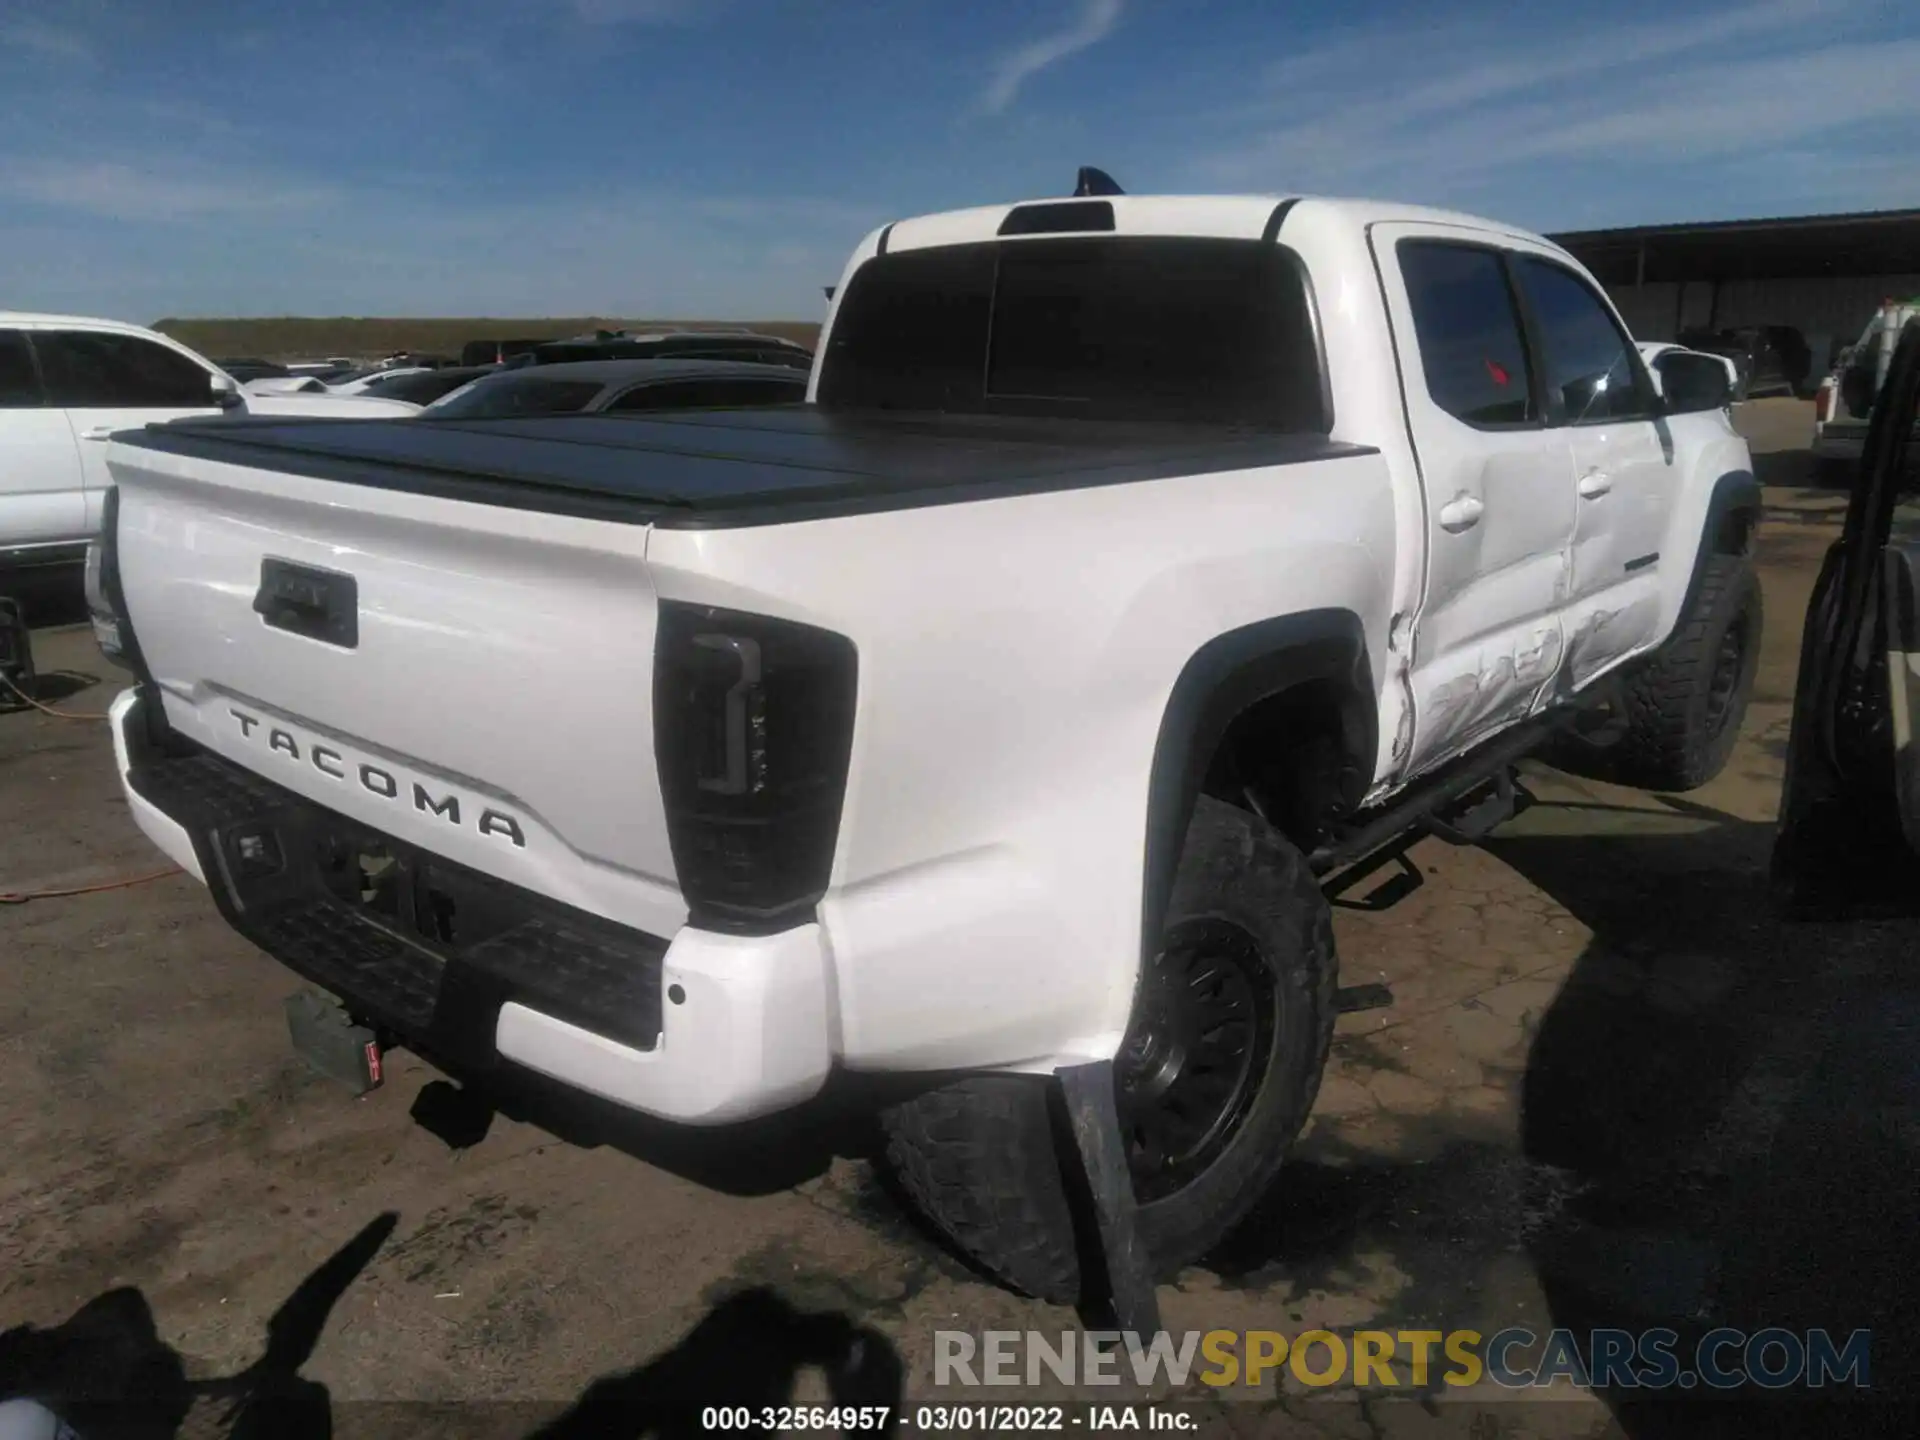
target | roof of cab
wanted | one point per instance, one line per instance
(1226, 216)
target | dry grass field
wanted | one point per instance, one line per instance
(298, 337)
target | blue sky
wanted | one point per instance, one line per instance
(717, 158)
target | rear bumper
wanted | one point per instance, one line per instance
(703, 1029)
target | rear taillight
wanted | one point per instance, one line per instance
(105, 603)
(753, 727)
(110, 620)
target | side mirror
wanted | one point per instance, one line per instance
(1692, 382)
(226, 391)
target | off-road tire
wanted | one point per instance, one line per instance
(982, 1157)
(1676, 737)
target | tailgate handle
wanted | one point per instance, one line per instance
(320, 604)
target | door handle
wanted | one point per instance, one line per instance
(1462, 512)
(97, 432)
(1594, 484)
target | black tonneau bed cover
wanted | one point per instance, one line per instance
(728, 468)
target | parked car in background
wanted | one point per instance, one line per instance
(325, 404)
(496, 352)
(244, 370)
(357, 381)
(284, 385)
(68, 382)
(1771, 359)
(327, 369)
(1845, 401)
(423, 387)
(741, 345)
(621, 387)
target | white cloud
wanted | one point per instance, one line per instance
(44, 40)
(1094, 23)
(1453, 113)
(274, 244)
(116, 191)
(642, 12)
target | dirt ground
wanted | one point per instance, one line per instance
(1613, 1089)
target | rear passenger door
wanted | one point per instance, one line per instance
(106, 381)
(40, 486)
(1498, 485)
(1625, 470)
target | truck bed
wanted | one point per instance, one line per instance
(731, 468)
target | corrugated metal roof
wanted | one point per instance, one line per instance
(1871, 242)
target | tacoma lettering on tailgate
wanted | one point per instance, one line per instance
(377, 779)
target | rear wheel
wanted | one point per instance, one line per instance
(1222, 1058)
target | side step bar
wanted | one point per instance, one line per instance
(1424, 802)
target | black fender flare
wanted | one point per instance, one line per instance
(1224, 677)
(1735, 494)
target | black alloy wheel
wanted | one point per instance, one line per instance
(1194, 1054)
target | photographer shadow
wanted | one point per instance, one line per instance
(108, 1375)
(1735, 1100)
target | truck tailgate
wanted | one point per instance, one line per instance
(469, 679)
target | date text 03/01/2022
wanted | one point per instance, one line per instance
(784, 1419)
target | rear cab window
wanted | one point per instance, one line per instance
(1173, 330)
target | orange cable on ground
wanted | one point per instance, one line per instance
(21, 897)
(49, 710)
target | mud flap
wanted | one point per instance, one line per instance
(1105, 1219)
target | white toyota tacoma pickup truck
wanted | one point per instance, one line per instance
(1137, 562)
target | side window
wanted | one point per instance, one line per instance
(1471, 345)
(1588, 360)
(101, 369)
(19, 383)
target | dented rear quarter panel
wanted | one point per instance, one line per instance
(1015, 660)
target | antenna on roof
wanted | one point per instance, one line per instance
(1096, 182)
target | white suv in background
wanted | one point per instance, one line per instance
(66, 384)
